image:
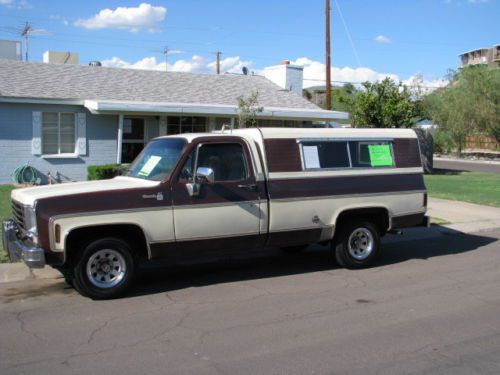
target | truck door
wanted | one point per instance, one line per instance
(224, 215)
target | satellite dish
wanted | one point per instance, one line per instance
(244, 70)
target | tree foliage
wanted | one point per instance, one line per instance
(384, 104)
(248, 108)
(469, 105)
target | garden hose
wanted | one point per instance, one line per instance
(24, 174)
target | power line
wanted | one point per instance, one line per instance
(348, 34)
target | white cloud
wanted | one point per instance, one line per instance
(145, 16)
(382, 39)
(199, 64)
(17, 4)
(314, 73)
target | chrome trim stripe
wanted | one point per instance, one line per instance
(343, 196)
(212, 205)
(347, 172)
(208, 238)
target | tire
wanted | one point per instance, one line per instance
(105, 269)
(294, 249)
(358, 244)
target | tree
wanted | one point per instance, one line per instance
(469, 105)
(384, 104)
(248, 109)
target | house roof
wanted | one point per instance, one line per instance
(75, 82)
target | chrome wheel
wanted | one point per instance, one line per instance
(360, 243)
(106, 268)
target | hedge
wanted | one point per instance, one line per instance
(103, 172)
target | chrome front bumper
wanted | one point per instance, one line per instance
(32, 256)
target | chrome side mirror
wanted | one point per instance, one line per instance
(205, 175)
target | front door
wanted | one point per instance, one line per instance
(226, 214)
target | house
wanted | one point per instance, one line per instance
(63, 118)
(481, 56)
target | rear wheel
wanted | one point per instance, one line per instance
(357, 245)
(105, 269)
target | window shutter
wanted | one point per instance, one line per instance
(36, 141)
(81, 131)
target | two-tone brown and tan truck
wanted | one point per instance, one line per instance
(191, 195)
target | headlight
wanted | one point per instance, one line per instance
(30, 219)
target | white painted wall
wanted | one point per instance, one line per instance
(287, 76)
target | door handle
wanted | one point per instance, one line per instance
(249, 187)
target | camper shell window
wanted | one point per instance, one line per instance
(346, 154)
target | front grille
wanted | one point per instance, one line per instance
(18, 214)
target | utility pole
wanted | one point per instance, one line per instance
(328, 60)
(26, 32)
(217, 61)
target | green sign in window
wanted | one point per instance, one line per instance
(380, 155)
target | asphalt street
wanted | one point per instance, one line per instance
(429, 306)
(467, 166)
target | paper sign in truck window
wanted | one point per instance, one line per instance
(380, 155)
(149, 165)
(311, 157)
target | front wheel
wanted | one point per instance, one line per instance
(105, 269)
(358, 245)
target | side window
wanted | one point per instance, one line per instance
(346, 154)
(325, 154)
(226, 159)
(366, 154)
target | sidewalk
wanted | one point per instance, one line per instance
(463, 217)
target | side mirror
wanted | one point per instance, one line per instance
(206, 175)
(203, 176)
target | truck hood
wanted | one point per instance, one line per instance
(28, 196)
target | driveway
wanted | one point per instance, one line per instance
(429, 306)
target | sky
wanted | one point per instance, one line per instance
(402, 39)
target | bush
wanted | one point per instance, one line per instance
(103, 172)
(442, 142)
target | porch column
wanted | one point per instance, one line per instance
(163, 125)
(120, 140)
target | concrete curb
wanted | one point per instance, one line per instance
(11, 272)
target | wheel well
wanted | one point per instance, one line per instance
(378, 215)
(133, 234)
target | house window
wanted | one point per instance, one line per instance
(186, 124)
(58, 133)
(133, 138)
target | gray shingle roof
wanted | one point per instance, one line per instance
(54, 81)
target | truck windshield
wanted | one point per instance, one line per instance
(158, 159)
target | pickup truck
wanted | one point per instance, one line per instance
(221, 193)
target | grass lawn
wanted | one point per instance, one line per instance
(5, 213)
(473, 187)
